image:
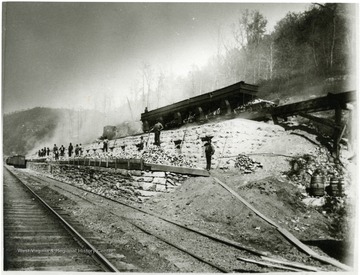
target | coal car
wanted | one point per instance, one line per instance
(223, 100)
(18, 161)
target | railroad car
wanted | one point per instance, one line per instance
(18, 161)
(223, 100)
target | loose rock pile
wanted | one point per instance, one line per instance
(246, 164)
(158, 155)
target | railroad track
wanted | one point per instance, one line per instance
(176, 234)
(38, 238)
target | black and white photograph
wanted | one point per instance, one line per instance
(180, 137)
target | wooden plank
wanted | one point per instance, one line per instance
(313, 254)
(179, 170)
(293, 264)
(268, 264)
(138, 161)
(245, 202)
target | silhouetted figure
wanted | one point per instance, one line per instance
(105, 145)
(62, 150)
(77, 150)
(209, 151)
(48, 151)
(70, 149)
(56, 152)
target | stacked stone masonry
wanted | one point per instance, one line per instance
(114, 183)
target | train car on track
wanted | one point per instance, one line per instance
(224, 100)
(18, 161)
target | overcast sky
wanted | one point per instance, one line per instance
(72, 54)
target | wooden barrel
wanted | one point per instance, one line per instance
(317, 185)
(334, 187)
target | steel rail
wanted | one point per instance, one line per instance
(96, 255)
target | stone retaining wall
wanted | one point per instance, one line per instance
(230, 138)
(131, 184)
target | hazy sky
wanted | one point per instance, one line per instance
(73, 54)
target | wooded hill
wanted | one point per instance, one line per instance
(36, 128)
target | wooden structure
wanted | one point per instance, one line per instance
(336, 102)
(129, 164)
(226, 99)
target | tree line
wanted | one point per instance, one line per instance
(317, 43)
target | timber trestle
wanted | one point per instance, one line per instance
(331, 101)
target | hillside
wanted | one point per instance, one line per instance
(21, 130)
(30, 130)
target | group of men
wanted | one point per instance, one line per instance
(158, 127)
(60, 152)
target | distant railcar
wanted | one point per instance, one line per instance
(18, 161)
(224, 99)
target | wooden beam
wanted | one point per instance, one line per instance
(268, 264)
(178, 169)
(329, 102)
(292, 264)
(323, 121)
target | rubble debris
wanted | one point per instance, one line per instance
(158, 155)
(246, 164)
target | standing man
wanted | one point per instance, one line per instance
(70, 149)
(158, 127)
(105, 145)
(209, 151)
(76, 150)
(80, 149)
(62, 150)
(55, 152)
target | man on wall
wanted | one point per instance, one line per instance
(158, 127)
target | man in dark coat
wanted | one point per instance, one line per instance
(70, 149)
(209, 151)
(56, 152)
(62, 150)
(105, 145)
